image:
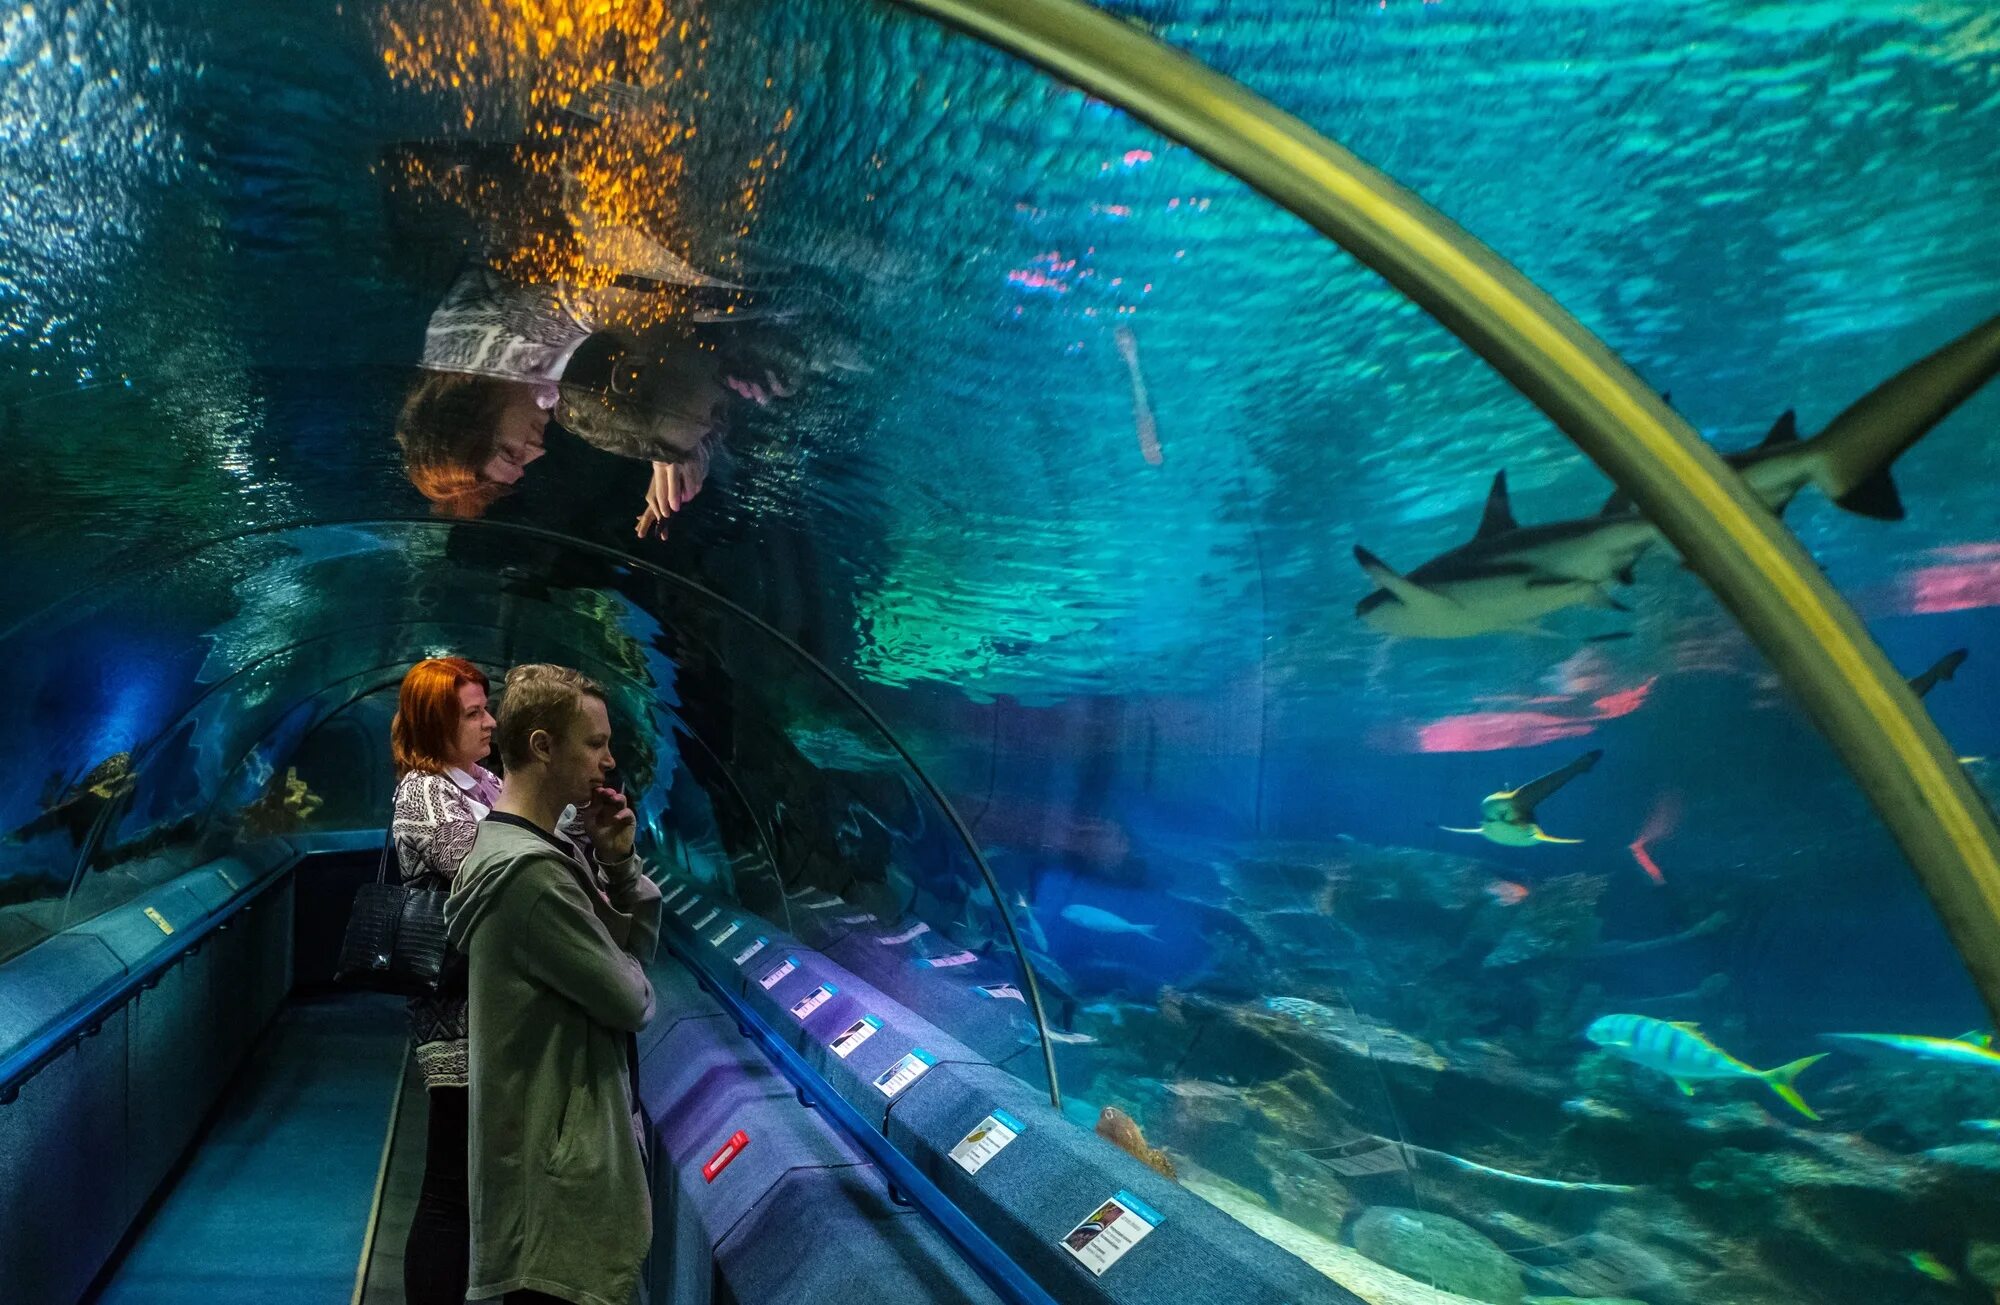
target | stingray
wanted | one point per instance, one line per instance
(1508, 818)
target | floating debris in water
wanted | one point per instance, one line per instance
(1122, 1131)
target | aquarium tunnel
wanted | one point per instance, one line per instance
(1273, 651)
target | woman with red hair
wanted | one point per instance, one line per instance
(441, 732)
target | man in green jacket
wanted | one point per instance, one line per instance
(556, 989)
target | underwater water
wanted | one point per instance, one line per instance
(1054, 443)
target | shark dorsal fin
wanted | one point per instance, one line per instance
(1499, 516)
(1785, 430)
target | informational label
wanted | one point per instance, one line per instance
(864, 918)
(946, 962)
(159, 919)
(667, 898)
(986, 1141)
(854, 1035)
(726, 934)
(827, 905)
(694, 900)
(708, 919)
(813, 1000)
(755, 947)
(785, 967)
(905, 1072)
(1003, 992)
(1112, 1229)
(916, 930)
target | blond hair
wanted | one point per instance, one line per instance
(538, 696)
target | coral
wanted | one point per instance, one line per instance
(1439, 1250)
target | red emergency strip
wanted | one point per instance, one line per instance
(720, 1160)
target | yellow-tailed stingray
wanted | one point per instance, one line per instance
(1509, 818)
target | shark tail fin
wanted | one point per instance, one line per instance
(1146, 931)
(1779, 1080)
(1853, 455)
(1875, 497)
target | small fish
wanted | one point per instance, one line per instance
(1679, 1051)
(1098, 920)
(1072, 1039)
(1122, 1131)
(1965, 1050)
(1982, 1125)
(1107, 1010)
(1508, 818)
(1932, 1267)
(1506, 892)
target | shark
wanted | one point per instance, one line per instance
(1510, 577)
(1508, 818)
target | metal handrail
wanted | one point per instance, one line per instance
(42, 1050)
(979, 1250)
(1754, 566)
(706, 594)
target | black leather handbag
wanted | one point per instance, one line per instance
(395, 938)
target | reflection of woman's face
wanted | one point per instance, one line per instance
(517, 440)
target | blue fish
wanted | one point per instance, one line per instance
(1681, 1053)
(1098, 920)
(1968, 1049)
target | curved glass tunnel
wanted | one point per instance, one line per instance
(1054, 444)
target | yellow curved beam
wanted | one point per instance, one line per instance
(1752, 563)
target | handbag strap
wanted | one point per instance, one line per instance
(382, 866)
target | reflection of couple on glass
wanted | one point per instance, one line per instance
(639, 356)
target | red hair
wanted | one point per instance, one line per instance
(427, 713)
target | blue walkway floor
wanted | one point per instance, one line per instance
(273, 1206)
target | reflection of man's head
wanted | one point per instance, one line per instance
(468, 438)
(657, 402)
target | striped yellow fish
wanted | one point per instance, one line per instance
(1681, 1053)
